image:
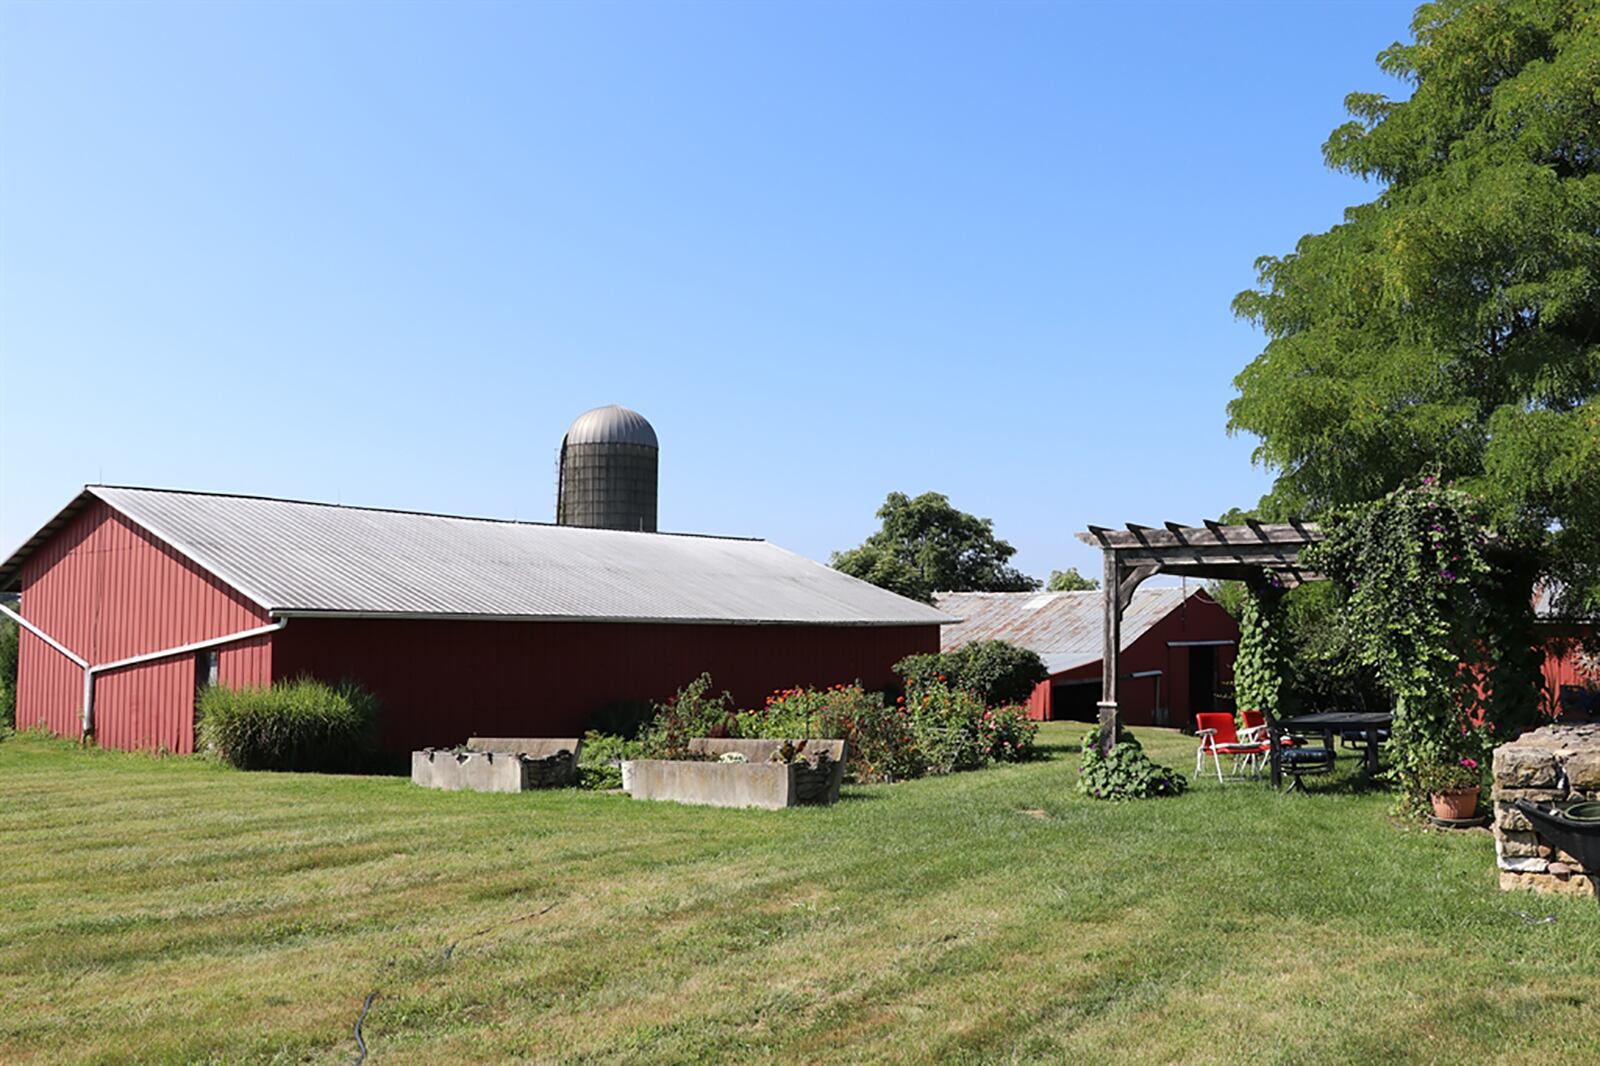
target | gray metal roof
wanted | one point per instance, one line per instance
(294, 557)
(1065, 628)
(611, 425)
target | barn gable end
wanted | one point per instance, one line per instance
(109, 590)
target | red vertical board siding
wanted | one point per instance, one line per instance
(49, 688)
(147, 707)
(1560, 669)
(109, 590)
(1198, 619)
(443, 681)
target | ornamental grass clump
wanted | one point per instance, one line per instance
(302, 724)
(1126, 772)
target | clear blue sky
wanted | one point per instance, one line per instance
(385, 253)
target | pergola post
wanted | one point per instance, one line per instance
(1267, 554)
(1110, 728)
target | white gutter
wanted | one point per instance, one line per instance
(42, 635)
(89, 672)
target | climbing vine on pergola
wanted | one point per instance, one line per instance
(1265, 556)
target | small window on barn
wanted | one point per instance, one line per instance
(206, 666)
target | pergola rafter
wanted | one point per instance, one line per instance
(1266, 555)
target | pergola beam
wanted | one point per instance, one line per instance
(1211, 534)
(1262, 554)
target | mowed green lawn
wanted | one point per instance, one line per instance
(172, 910)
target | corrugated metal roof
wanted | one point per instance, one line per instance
(1065, 628)
(296, 557)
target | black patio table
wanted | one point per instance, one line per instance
(1325, 722)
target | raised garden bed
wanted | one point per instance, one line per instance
(756, 782)
(498, 764)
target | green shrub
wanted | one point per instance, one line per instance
(878, 736)
(293, 725)
(788, 714)
(693, 712)
(10, 633)
(1007, 734)
(946, 728)
(994, 671)
(1126, 773)
(597, 765)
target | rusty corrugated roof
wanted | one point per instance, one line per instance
(1065, 628)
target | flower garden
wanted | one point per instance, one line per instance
(948, 718)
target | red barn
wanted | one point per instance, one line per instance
(134, 599)
(1176, 658)
(1569, 691)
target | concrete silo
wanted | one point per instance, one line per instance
(609, 463)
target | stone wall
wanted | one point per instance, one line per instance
(1554, 765)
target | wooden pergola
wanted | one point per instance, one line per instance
(1264, 555)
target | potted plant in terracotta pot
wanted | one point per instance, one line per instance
(1453, 787)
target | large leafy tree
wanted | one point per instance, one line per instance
(927, 546)
(1452, 324)
(1069, 580)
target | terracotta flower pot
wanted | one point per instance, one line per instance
(1455, 805)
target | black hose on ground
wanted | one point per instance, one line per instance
(360, 1042)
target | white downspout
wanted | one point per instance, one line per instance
(89, 672)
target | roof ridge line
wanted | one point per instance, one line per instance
(407, 511)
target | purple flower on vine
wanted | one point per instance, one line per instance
(1429, 480)
(1447, 575)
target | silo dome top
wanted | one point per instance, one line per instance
(612, 425)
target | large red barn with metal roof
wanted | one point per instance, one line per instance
(133, 598)
(1176, 657)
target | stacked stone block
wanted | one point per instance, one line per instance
(1554, 765)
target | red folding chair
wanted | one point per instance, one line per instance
(1219, 737)
(1255, 728)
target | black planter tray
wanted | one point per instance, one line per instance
(1459, 823)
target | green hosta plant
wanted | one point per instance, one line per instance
(1126, 772)
(601, 752)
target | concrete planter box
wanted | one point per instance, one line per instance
(475, 771)
(549, 762)
(817, 780)
(770, 786)
(755, 783)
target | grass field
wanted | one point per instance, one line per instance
(172, 910)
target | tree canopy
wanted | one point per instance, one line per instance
(927, 546)
(1452, 324)
(1069, 580)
